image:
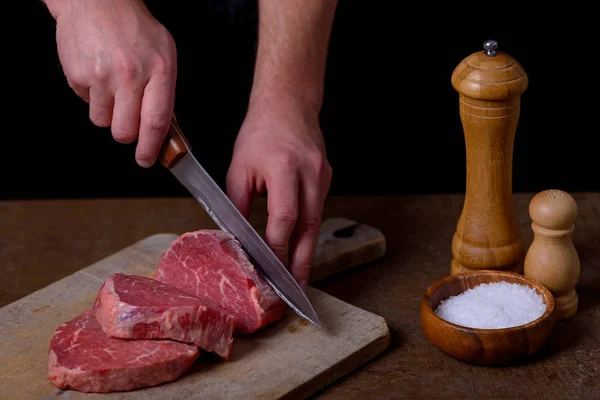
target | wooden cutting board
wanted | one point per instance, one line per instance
(289, 359)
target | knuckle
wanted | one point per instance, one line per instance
(101, 72)
(158, 123)
(127, 69)
(285, 160)
(146, 155)
(285, 214)
(164, 60)
(317, 162)
(100, 120)
(277, 247)
(76, 80)
(161, 65)
(77, 88)
(169, 42)
(123, 136)
(312, 226)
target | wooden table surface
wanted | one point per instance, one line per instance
(42, 241)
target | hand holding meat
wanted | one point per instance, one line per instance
(280, 150)
(122, 61)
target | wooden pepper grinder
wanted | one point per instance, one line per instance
(552, 258)
(490, 84)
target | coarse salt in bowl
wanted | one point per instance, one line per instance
(493, 305)
(487, 317)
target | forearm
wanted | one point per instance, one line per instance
(293, 40)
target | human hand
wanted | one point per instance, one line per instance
(118, 58)
(280, 150)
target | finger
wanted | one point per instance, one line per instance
(307, 231)
(240, 188)
(156, 112)
(282, 206)
(126, 115)
(101, 106)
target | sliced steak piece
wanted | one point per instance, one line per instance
(82, 357)
(137, 307)
(212, 265)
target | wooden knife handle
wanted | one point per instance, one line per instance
(175, 146)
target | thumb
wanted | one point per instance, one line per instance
(239, 189)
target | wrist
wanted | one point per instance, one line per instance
(285, 99)
(56, 7)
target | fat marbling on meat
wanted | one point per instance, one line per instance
(84, 358)
(138, 307)
(212, 265)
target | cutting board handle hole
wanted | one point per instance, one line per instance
(345, 232)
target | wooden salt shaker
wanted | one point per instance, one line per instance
(490, 84)
(552, 258)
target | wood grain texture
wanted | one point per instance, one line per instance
(42, 241)
(487, 234)
(290, 359)
(485, 346)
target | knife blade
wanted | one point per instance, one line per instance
(177, 157)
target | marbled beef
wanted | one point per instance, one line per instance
(212, 265)
(84, 358)
(137, 307)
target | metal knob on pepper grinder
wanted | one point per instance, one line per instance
(490, 84)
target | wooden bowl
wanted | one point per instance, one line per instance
(484, 346)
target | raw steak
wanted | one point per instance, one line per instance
(82, 357)
(137, 307)
(212, 265)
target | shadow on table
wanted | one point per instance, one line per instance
(567, 335)
(588, 287)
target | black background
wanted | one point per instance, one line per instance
(390, 116)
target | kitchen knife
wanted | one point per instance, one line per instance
(176, 156)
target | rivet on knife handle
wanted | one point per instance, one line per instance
(175, 146)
